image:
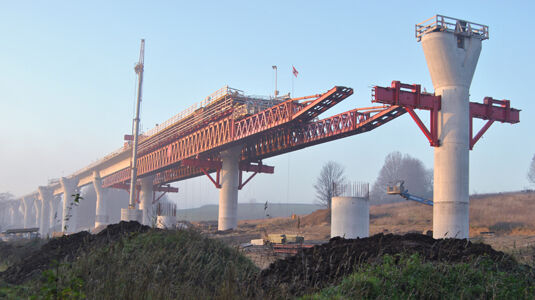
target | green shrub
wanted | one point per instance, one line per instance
(161, 265)
(408, 277)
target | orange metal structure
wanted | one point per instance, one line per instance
(286, 126)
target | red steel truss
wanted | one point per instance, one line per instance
(412, 98)
(290, 126)
(224, 133)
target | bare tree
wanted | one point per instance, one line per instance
(531, 172)
(418, 179)
(331, 175)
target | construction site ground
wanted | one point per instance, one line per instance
(504, 221)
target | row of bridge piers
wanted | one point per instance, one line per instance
(48, 206)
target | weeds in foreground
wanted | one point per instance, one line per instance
(409, 277)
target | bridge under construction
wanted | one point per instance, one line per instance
(227, 136)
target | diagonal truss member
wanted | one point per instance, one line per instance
(410, 97)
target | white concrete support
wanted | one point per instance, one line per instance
(15, 215)
(101, 215)
(12, 215)
(131, 214)
(146, 198)
(350, 217)
(28, 218)
(55, 217)
(166, 222)
(68, 218)
(451, 63)
(45, 197)
(37, 216)
(228, 194)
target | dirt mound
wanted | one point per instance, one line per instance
(66, 248)
(317, 217)
(317, 267)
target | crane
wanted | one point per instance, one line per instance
(399, 189)
(139, 71)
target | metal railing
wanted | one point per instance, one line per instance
(457, 26)
(214, 97)
(352, 189)
(208, 101)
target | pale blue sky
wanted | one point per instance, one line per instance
(67, 84)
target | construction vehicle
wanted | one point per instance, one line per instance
(399, 189)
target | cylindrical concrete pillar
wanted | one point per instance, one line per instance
(68, 218)
(228, 194)
(12, 215)
(350, 217)
(166, 222)
(37, 210)
(452, 59)
(101, 215)
(131, 214)
(54, 216)
(45, 197)
(146, 198)
(27, 202)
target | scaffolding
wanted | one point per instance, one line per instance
(223, 102)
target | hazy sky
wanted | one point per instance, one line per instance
(67, 84)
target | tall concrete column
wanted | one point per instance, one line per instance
(28, 202)
(37, 210)
(452, 57)
(54, 215)
(146, 198)
(45, 197)
(25, 205)
(68, 219)
(101, 217)
(228, 194)
(11, 219)
(15, 218)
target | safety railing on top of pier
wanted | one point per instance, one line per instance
(457, 26)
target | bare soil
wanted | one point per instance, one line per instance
(326, 264)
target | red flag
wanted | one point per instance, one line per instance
(295, 71)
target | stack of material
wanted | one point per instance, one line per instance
(277, 238)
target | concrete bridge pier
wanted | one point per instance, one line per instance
(55, 214)
(101, 216)
(146, 197)
(37, 216)
(25, 206)
(45, 197)
(68, 218)
(228, 194)
(14, 214)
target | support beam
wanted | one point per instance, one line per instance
(228, 194)
(146, 199)
(37, 210)
(101, 215)
(45, 197)
(27, 203)
(255, 168)
(69, 215)
(452, 60)
(55, 215)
